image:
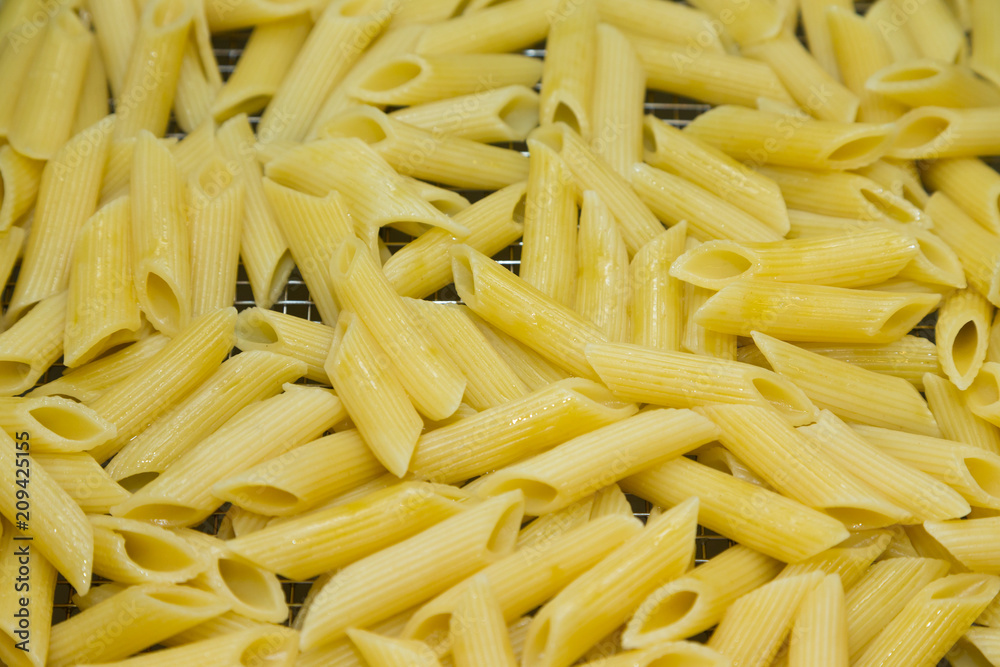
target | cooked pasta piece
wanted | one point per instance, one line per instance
(925, 82)
(974, 245)
(38, 608)
(675, 23)
(215, 221)
(54, 423)
(748, 22)
(985, 56)
(271, 644)
(939, 132)
(657, 298)
(569, 66)
(86, 482)
(971, 184)
(953, 414)
(617, 100)
(603, 276)
(479, 632)
(115, 23)
(493, 116)
(509, 26)
(136, 552)
(21, 177)
(962, 335)
(936, 31)
(281, 333)
(32, 345)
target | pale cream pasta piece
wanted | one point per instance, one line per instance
(637, 223)
(331, 538)
(657, 299)
(161, 252)
(971, 471)
(83, 478)
(715, 78)
(281, 333)
(509, 26)
(341, 33)
(115, 23)
(576, 468)
(855, 260)
(920, 494)
(677, 652)
(799, 469)
(43, 118)
(136, 552)
(241, 522)
(925, 82)
(972, 542)
(376, 401)
(985, 56)
(225, 624)
(927, 546)
(506, 433)
(478, 629)
(683, 380)
(199, 79)
(235, 384)
(978, 646)
(549, 242)
(681, 154)
(747, 22)
(534, 371)
(32, 345)
(814, 313)
(215, 221)
(971, 184)
(117, 170)
(617, 100)
(509, 303)
(675, 23)
(603, 276)
(263, 249)
(86, 383)
(975, 246)
(850, 392)
(931, 622)
(564, 629)
(822, 43)
(383, 651)
(934, 132)
(164, 379)
(760, 138)
(152, 612)
(302, 478)
(24, 632)
(102, 309)
(67, 197)
(21, 177)
(951, 409)
(492, 116)
(747, 513)
(673, 199)
(550, 526)
(981, 398)
(181, 495)
(272, 645)
(819, 632)
(428, 155)
(44, 514)
(15, 60)
(721, 459)
(881, 594)
(696, 601)
(801, 74)
(490, 381)
(433, 382)
(92, 105)
(157, 52)
(55, 424)
(249, 590)
(849, 560)
(569, 66)
(426, 11)
(962, 335)
(266, 59)
(232, 15)
(901, 177)
(935, 30)
(376, 587)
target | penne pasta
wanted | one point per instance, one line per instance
(748, 22)
(266, 59)
(848, 391)
(682, 380)
(20, 646)
(478, 630)
(215, 220)
(698, 600)
(951, 410)
(15, 60)
(509, 26)
(262, 247)
(569, 67)
(934, 132)
(971, 542)
(932, 621)
(770, 138)
(925, 498)
(514, 430)
(744, 512)
(936, 31)
(657, 299)
(979, 397)
(674, 23)
(181, 495)
(972, 185)
(603, 276)
(974, 245)
(373, 396)
(821, 314)
(43, 119)
(229, 15)
(236, 383)
(413, 151)
(67, 197)
(102, 307)
(492, 116)
(21, 177)
(269, 643)
(382, 651)
(281, 333)
(341, 33)
(899, 177)
(549, 242)
(44, 514)
(819, 633)
(671, 150)
(534, 371)
(962, 334)
(563, 630)
(115, 23)
(164, 379)
(32, 345)
(926, 82)
(619, 91)
(978, 645)
(477, 537)
(161, 259)
(56, 424)
(985, 56)
(801, 73)
(820, 37)
(673, 199)
(199, 79)
(86, 482)
(554, 479)
(135, 552)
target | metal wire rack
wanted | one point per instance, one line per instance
(295, 300)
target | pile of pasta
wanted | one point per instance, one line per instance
(715, 320)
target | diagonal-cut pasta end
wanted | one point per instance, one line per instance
(923, 133)
(715, 264)
(391, 79)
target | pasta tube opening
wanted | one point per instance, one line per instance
(393, 75)
(152, 553)
(890, 205)
(919, 130)
(983, 394)
(67, 422)
(985, 473)
(520, 113)
(503, 537)
(714, 265)
(165, 513)
(860, 150)
(256, 330)
(784, 397)
(272, 648)
(161, 299)
(903, 319)
(674, 607)
(465, 275)
(267, 499)
(248, 584)
(960, 588)
(359, 125)
(133, 483)
(859, 516)
(13, 375)
(167, 13)
(906, 73)
(537, 494)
